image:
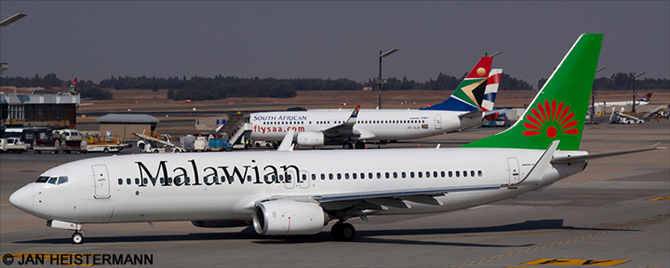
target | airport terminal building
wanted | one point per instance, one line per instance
(38, 110)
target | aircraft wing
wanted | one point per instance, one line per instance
(346, 128)
(396, 198)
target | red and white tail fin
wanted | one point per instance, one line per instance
(491, 89)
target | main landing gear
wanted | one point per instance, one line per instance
(343, 231)
(358, 145)
(78, 237)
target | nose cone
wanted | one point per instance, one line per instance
(23, 198)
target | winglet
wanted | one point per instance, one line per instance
(287, 142)
(354, 115)
(537, 172)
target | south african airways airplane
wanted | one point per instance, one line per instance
(469, 106)
(288, 192)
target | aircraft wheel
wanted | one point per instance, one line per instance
(77, 238)
(360, 145)
(347, 146)
(36, 151)
(343, 232)
(106, 150)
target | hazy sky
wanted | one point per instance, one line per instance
(329, 39)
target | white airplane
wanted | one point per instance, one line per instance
(643, 101)
(315, 128)
(298, 192)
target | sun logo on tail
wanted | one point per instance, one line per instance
(550, 119)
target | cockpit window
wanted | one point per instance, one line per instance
(62, 180)
(52, 180)
(42, 179)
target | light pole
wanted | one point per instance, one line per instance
(380, 81)
(3, 23)
(593, 97)
(635, 93)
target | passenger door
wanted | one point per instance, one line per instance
(101, 181)
(438, 121)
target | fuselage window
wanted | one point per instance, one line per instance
(379, 175)
(465, 173)
(281, 177)
(427, 174)
(442, 174)
(479, 173)
(346, 176)
(450, 173)
(472, 173)
(330, 176)
(163, 180)
(411, 174)
(120, 181)
(128, 181)
(395, 175)
(370, 175)
(420, 174)
(177, 180)
(339, 176)
(403, 174)
(458, 174)
(214, 179)
(435, 174)
(387, 175)
(137, 181)
(362, 175)
(146, 181)
(313, 177)
(42, 179)
(63, 179)
(53, 180)
(353, 175)
(323, 176)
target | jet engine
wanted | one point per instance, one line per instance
(311, 139)
(287, 217)
(219, 223)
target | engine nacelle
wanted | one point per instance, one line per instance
(219, 223)
(286, 217)
(312, 139)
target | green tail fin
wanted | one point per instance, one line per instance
(558, 111)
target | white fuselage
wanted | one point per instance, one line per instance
(387, 124)
(620, 103)
(129, 189)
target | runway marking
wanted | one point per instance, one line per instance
(662, 198)
(609, 196)
(575, 262)
(585, 262)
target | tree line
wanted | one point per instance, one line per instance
(220, 87)
(622, 81)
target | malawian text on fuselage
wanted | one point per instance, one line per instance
(176, 175)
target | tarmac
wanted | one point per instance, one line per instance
(615, 213)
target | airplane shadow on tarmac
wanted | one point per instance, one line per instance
(371, 236)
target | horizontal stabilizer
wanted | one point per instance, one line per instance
(568, 159)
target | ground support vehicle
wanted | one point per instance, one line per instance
(69, 146)
(13, 145)
(112, 144)
(217, 144)
(154, 142)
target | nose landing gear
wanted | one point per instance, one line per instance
(343, 231)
